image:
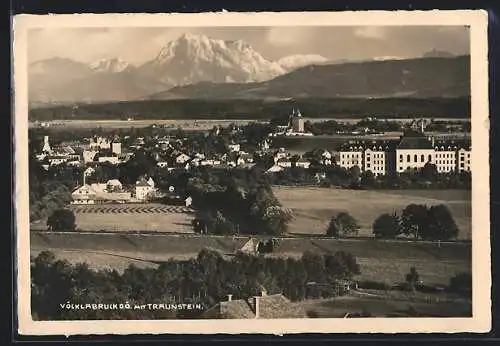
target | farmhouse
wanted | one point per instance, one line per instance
(182, 158)
(89, 195)
(302, 163)
(263, 306)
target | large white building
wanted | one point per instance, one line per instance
(413, 152)
(367, 156)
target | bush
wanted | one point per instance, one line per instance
(62, 220)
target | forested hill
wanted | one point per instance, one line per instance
(258, 109)
(413, 78)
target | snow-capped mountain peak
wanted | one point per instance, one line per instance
(111, 65)
(193, 58)
(293, 62)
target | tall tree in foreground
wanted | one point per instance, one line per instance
(342, 225)
(386, 226)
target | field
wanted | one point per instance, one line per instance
(379, 260)
(338, 307)
(186, 124)
(131, 217)
(314, 207)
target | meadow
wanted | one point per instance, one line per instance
(130, 217)
(383, 261)
(314, 207)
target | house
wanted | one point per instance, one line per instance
(114, 160)
(233, 147)
(151, 182)
(182, 158)
(162, 164)
(188, 201)
(55, 160)
(89, 155)
(114, 185)
(99, 187)
(265, 306)
(143, 190)
(302, 163)
(83, 195)
(274, 169)
(284, 162)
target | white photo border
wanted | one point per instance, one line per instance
(481, 262)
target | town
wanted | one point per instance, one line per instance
(412, 152)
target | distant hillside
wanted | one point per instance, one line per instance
(258, 109)
(431, 77)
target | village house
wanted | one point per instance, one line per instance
(114, 160)
(302, 163)
(274, 169)
(233, 147)
(114, 185)
(95, 194)
(144, 189)
(284, 163)
(89, 155)
(182, 159)
(265, 306)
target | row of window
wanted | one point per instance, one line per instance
(445, 156)
(415, 158)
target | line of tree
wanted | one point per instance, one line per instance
(256, 109)
(335, 176)
(419, 222)
(206, 279)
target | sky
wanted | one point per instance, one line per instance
(137, 45)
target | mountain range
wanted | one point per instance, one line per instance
(195, 66)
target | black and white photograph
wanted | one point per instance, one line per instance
(231, 170)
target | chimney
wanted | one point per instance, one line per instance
(256, 304)
(229, 297)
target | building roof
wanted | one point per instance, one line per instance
(275, 168)
(415, 142)
(113, 196)
(114, 182)
(270, 307)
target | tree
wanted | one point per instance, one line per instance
(342, 225)
(386, 226)
(62, 220)
(430, 172)
(368, 179)
(461, 283)
(414, 220)
(441, 225)
(412, 278)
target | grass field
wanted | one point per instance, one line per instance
(186, 124)
(338, 307)
(314, 207)
(130, 217)
(379, 260)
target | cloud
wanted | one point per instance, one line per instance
(289, 36)
(371, 32)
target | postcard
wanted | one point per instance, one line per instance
(264, 173)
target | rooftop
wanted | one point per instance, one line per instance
(415, 142)
(270, 307)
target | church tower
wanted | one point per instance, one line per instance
(46, 145)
